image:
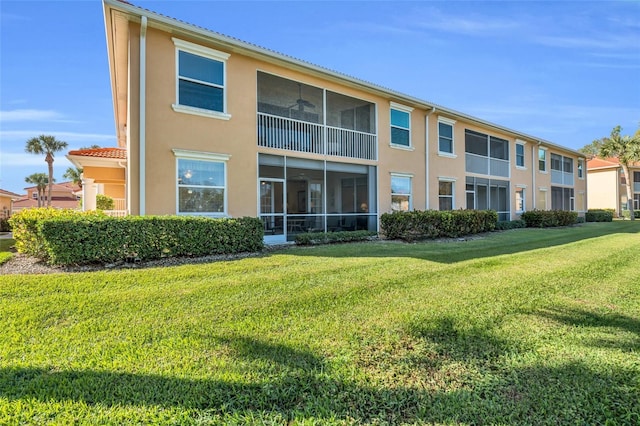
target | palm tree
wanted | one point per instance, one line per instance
(46, 145)
(40, 180)
(74, 174)
(627, 150)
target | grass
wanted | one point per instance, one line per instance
(521, 327)
(5, 249)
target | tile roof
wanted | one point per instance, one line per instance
(605, 163)
(114, 153)
(61, 203)
(9, 193)
(62, 186)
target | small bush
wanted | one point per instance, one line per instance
(549, 218)
(311, 238)
(424, 224)
(599, 215)
(26, 232)
(626, 214)
(513, 224)
(5, 226)
(104, 202)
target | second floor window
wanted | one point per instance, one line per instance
(542, 160)
(400, 127)
(519, 155)
(445, 137)
(201, 79)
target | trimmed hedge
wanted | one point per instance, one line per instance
(82, 238)
(25, 226)
(312, 238)
(599, 215)
(549, 218)
(512, 224)
(424, 224)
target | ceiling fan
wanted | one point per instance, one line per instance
(301, 103)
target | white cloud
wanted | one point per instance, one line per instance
(21, 136)
(29, 115)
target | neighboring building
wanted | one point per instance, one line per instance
(607, 185)
(215, 126)
(103, 173)
(64, 195)
(6, 203)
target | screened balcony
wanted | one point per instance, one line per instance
(298, 117)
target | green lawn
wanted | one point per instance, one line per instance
(520, 327)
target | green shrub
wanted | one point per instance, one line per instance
(599, 215)
(26, 227)
(423, 224)
(81, 240)
(311, 238)
(626, 214)
(104, 202)
(549, 218)
(512, 224)
(5, 226)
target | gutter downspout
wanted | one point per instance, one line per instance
(143, 114)
(534, 160)
(426, 174)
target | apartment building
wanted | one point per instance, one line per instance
(214, 126)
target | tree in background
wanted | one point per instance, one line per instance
(593, 148)
(47, 145)
(40, 180)
(627, 150)
(74, 174)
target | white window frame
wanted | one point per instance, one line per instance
(580, 167)
(451, 180)
(515, 152)
(183, 154)
(206, 52)
(402, 176)
(407, 110)
(543, 189)
(451, 123)
(523, 190)
(546, 160)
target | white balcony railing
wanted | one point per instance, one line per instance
(119, 208)
(486, 166)
(295, 135)
(561, 178)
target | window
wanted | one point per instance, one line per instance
(520, 200)
(445, 136)
(400, 193)
(561, 169)
(400, 125)
(562, 198)
(541, 203)
(201, 85)
(636, 177)
(580, 168)
(542, 159)
(201, 180)
(445, 194)
(519, 155)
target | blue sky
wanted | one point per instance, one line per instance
(567, 72)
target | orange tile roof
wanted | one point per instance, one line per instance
(62, 186)
(115, 153)
(61, 203)
(9, 193)
(604, 163)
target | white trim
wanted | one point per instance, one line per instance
(521, 142)
(446, 154)
(401, 107)
(200, 155)
(446, 120)
(447, 179)
(520, 185)
(396, 174)
(200, 50)
(403, 147)
(200, 111)
(143, 116)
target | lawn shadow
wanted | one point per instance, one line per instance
(453, 250)
(304, 387)
(583, 318)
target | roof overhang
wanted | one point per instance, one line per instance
(82, 161)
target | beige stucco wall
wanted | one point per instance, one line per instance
(604, 189)
(5, 206)
(167, 129)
